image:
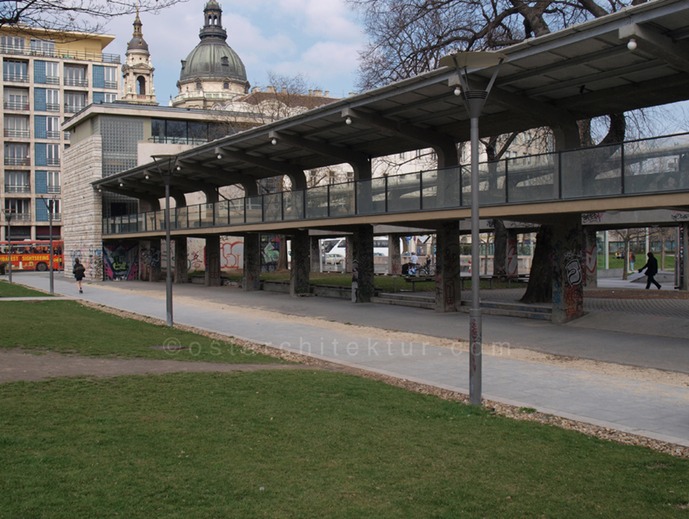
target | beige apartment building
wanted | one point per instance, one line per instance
(47, 77)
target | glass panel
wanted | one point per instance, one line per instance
(254, 209)
(221, 211)
(591, 172)
(194, 215)
(317, 202)
(342, 199)
(445, 183)
(656, 164)
(532, 178)
(179, 221)
(236, 211)
(364, 202)
(272, 207)
(294, 205)
(150, 221)
(404, 192)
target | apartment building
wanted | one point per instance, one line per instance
(47, 77)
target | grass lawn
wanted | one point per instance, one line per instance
(8, 289)
(304, 444)
(69, 327)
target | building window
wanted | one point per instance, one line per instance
(75, 76)
(16, 126)
(109, 97)
(52, 72)
(11, 44)
(14, 70)
(43, 47)
(17, 154)
(16, 99)
(17, 182)
(52, 154)
(199, 86)
(53, 181)
(226, 85)
(110, 77)
(75, 101)
(52, 126)
(52, 100)
(20, 209)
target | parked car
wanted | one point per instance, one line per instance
(334, 259)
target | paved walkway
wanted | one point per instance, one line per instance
(625, 393)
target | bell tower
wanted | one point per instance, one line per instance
(137, 71)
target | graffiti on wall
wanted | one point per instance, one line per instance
(120, 261)
(91, 258)
(231, 253)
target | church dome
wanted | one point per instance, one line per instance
(137, 42)
(213, 58)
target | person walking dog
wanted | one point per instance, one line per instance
(651, 267)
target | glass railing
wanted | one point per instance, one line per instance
(644, 166)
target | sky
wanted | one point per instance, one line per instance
(317, 39)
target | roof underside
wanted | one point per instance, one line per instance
(578, 73)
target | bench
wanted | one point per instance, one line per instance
(523, 278)
(416, 279)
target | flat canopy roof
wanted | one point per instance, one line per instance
(578, 73)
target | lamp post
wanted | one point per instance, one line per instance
(474, 99)
(166, 165)
(8, 218)
(50, 204)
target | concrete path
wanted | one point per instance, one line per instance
(618, 385)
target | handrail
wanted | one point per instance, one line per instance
(643, 166)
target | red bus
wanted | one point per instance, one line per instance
(32, 255)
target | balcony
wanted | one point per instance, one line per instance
(74, 108)
(16, 105)
(52, 107)
(24, 188)
(16, 78)
(54, 135)
(17, 161)
(79, 82)
(54, 190)
(17, 134)
(52, 162)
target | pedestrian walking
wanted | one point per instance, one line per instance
(79, 271)
(651, 267)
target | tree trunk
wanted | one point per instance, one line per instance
(540, 287)
(500, 251)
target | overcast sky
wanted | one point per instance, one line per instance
(318, 39)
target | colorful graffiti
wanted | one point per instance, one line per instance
(120, 262)
(92, 259)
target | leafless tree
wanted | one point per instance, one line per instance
(408, 37)
(73, 15)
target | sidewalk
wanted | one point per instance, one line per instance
(420, 345)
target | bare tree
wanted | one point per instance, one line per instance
(408, 37)
(73, 15)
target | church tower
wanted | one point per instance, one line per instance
(213, 74)
(137, 71)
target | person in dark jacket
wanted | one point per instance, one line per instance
(651, 267)
(79, 272)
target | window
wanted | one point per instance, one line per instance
(75, 101)
(52, 127)
(52, 100)
(17, 182)
(52, 154)
(53, 181)
(12, 44)
(52, 72)
(19, 207)
(109, 97)
(14, 70)
(110, 76)
(75, 76)
(17, 154)
(43, 47)
(16, 126)
(16, 99)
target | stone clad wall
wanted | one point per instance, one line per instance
(82, 207)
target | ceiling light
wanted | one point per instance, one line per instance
(631, 44)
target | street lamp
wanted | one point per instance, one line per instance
(166, 166)
(474, 99)
(50, 204)
(8, 218)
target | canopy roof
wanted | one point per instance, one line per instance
(578, 73)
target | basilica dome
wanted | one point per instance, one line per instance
(213, 59)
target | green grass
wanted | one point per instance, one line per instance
(8, 289)
(618, 263)
(276, 444)
(304, 444)
(69, 327)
